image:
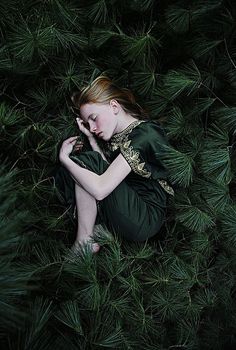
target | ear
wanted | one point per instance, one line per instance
(115, 106)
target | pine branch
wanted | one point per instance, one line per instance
(202, 245)
(178, 18)
(119, 305)
(14, 280)
(100, 36)
(8, 117)
(83, 266)
(91, 296)
(109, 336)
(142, 5)
(144, 82)
(202, 46)
(187, 79)
(42, 41)
(201, 105)
(180, 166)
(69, 40)
(177, 124)
(227, 116)
(40, 313)
(167, 305)
(158, 278)
(216, 164)
(67, 77)
(130, 284)
(69, 314)
(97, 12)
(63, 13)
(158, 102)
(141, 47)
(26, 42)
(228, 221)
(215, 194)
(194, 218)
(113, 264)
(187, 330)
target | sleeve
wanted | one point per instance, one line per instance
(144, 149)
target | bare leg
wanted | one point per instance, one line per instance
(87, 212)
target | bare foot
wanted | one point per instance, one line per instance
(94, 247)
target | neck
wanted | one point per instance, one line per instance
(123, 121)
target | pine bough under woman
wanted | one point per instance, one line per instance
(127, 189)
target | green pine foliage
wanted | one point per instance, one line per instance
(176, 290)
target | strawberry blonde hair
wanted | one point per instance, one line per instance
(102, 90)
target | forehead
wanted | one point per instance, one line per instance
(88, 109)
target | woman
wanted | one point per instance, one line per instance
(126, 188)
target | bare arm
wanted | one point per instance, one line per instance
(93, 143)
(95, 147)
(99, 186)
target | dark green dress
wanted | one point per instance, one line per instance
(136, 208)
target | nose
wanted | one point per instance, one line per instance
(93, 128)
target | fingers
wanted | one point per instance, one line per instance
(79, 121)
(79, 144)
(71, 139)
(78, 147)
(81, 124)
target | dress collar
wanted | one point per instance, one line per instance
(119, 136)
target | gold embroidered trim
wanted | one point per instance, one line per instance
(120, 140)
(133, 159)
(166, 187)
(116, 139)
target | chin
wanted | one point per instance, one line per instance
(105, 138)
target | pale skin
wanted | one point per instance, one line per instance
(103, 120)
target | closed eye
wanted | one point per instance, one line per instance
(86, 125)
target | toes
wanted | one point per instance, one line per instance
(94, 247)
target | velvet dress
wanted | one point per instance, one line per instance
(136, 208)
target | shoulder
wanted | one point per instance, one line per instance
(147, 132)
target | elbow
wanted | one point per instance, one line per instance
(100, 196)
(103, 190)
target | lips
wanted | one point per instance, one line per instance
(99, 134)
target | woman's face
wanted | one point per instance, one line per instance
(100, 119)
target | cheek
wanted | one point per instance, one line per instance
(99, 123)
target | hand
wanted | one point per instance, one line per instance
(78, 146)
(83, 128)
(67, 147)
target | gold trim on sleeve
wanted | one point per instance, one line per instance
(121, 141)
(133, 159)
(166, 187)
(117, 139)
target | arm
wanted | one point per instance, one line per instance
(95, 147)
(93, 143)
(99, 186)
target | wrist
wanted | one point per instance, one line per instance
(92, 140)
(63, 158)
